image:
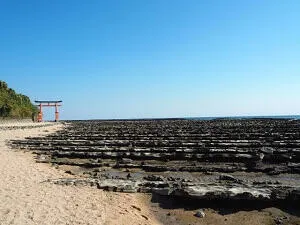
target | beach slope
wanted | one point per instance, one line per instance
(27, 198)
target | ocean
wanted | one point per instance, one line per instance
(296, 117)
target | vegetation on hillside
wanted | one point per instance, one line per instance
(14, 105)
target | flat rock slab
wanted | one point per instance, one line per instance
(251, 159)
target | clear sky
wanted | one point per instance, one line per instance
(154, 58)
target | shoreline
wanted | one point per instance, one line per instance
(28, 199)
(114, 207)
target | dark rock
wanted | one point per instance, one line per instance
(137, 208)
(259, 158)
(69, 172)
(145, 217)
(162, 191)
(226, 177)
(154, 178)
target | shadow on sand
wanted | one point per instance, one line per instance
(224, 207)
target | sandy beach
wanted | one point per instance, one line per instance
(27, 198)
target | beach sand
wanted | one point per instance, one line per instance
(26, 197)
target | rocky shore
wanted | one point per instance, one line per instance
(257, 159)
(28, 198)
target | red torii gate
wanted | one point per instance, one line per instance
(48, 104)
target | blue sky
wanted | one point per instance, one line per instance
(154, 58)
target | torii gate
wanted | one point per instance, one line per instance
(48, 104)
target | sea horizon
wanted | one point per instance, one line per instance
(296, 117)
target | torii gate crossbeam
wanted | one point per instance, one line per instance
(42, 104)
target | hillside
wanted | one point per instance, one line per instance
(14, 105)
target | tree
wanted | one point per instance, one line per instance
(14, 105)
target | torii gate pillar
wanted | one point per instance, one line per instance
(48, 104)
(56, 113)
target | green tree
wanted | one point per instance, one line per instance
(14, 105)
